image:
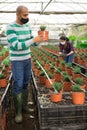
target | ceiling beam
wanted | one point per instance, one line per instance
(30, 2)
(50, 12)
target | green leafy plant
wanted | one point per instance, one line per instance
(42, 27)
(68, 65)
(66, 77)
(77, 70)
(42, 73)
(62, 62)
(64, 73)
(58, 70)
(77, 88)
(57, 86)
(79, 81)
(52, 66)
(50, 75)
(86, 74)
(2, 76)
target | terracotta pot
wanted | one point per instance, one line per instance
(56, 97)
(69, 71)
(37, 72)
(63, 67)
(78, 98)
(45, 34)
(75, 59)
(3, 83)
(58, 77)
(67, 86)
(42, 79)
(60, 58)
(57, 64)
(47, 83)
(85, 64)
(74, 75)
(52, 70)
(46, 66)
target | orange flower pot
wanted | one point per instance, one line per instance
(78, 98)
(3, 83)
(47, 83)
(45, 34)
(42, 80)
(58, 77)
(56, 97)
(67, 86)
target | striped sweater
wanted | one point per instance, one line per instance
(19, 38)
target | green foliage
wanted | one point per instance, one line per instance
(50, 75)
(68, 65)
(76, 88)
(79, 81)
(81, 44)
(42, 27)
(77, 70)
(2, 76)
(72, 38)
(57, 86)
(66, 77)
(6, 61)
(58, 70)
(42, 73)
(63, 62)
(86, 74)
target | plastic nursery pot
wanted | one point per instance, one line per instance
(67, 86)
(42, 79)
(78, 98)
(3, 83)
(44, 34)
(48, 84)
(56, 97)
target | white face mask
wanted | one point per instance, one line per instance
(63, 43)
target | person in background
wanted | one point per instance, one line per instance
(66, 49)
(19, 36)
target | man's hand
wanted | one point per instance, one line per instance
(39, 39)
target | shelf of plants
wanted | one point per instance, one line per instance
(5, 86)
(64, 114)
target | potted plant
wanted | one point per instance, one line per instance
(51, 77)
(76, 72)
(42, 77)
(79, 81)
(43, 32)
(62, 64)
(3, 81)
(56, 96)
(66, 82)
(78, 95)
(52, 68)
(58, 75)
(69, 68)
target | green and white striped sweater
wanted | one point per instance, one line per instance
(19, 38)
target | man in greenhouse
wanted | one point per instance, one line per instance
(19, 36)
(66, 49)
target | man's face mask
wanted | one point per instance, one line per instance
(63, 43)
(24, 20)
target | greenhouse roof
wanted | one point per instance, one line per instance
(56, 12)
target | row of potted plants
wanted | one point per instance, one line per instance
(5, 68)
(67, 77)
